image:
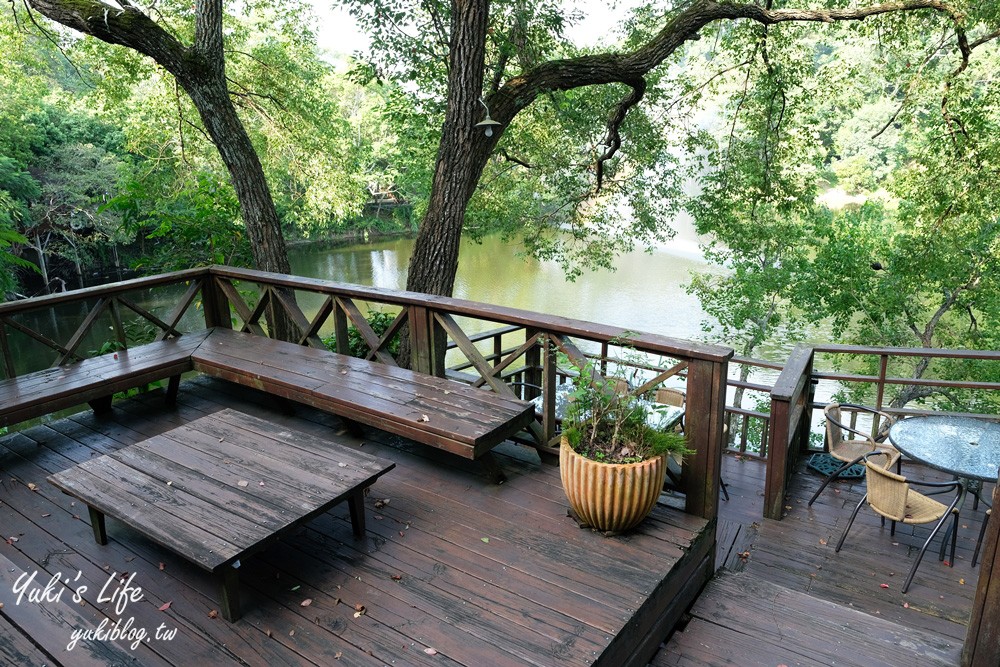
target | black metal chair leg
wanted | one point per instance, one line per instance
(831, 477)
(920, 556)
(979, 542)
(725, 491)
(850, 523)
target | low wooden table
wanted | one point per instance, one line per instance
(221, 488)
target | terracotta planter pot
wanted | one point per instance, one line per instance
(611, 497)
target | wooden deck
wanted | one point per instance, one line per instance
(454, 571)
(790, 599)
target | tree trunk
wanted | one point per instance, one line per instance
(201, 71)
(211, 98)
(462, 154)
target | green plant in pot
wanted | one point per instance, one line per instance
(612, 462)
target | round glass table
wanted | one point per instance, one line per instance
(964, 446)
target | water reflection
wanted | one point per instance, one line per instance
(644, 294)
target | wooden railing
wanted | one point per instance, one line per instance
(792, 403)
(523, 351)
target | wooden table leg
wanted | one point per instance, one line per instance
(97, 523)
(229, 592)
(356, 503)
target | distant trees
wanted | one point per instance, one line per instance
(320, 140)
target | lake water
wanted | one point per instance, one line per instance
(645, 293)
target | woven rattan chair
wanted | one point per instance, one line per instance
(890, 495)
(850, 452)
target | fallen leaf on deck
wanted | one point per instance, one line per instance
(961, 581)
(163, 566)
(32, 486)
(359, 607)
(906, 605)
(291, 633)
(424, 418)
(242, 483)
(379, 504)
(267, 632)
(883, 585)
(295, 587)
(306, 602)
(11, 539)
(45, 515)
(402, 534)
(165, 606)
(485, 539)
(336, 656)
(1, 605)
(396, 577)
(170, 483)
(260, 483)
(213, 614)
(430, 651)
(342, 465)
(822, 542)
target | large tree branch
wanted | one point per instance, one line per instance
(127, 26)
(613, 139)
(591, 70)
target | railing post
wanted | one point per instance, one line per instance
(791, 399)
(428, 342)
(982, 638)
(341, 333)
(215, 304)
(703, 420)
(533, 365)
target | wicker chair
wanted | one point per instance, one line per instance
(891, 497)
(850, 452)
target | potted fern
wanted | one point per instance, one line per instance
(612, 462)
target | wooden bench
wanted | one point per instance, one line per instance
(445, 414)
(221, 488)
(95, 380)
(449, 415)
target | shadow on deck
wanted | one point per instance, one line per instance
(787, 598)
(454, 570)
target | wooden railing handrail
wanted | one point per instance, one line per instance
(909, 352)
(556, 324)
(50, 300)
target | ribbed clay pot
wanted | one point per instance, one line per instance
(611, 497)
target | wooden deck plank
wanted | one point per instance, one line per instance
(55, 536)
(795, 628)
(515, 600)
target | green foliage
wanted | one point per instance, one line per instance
(379, 321)
(611, 426)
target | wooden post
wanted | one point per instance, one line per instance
(428, 342)
(340, 333)
(791, 398)
(982, 639)
(703, 420)
(533, 367)
(215, 304)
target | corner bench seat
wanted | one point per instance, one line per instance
(442, 413)
(449, 415)
(95, 380)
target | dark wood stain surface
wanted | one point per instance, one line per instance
(795, 601)
(482, 574)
